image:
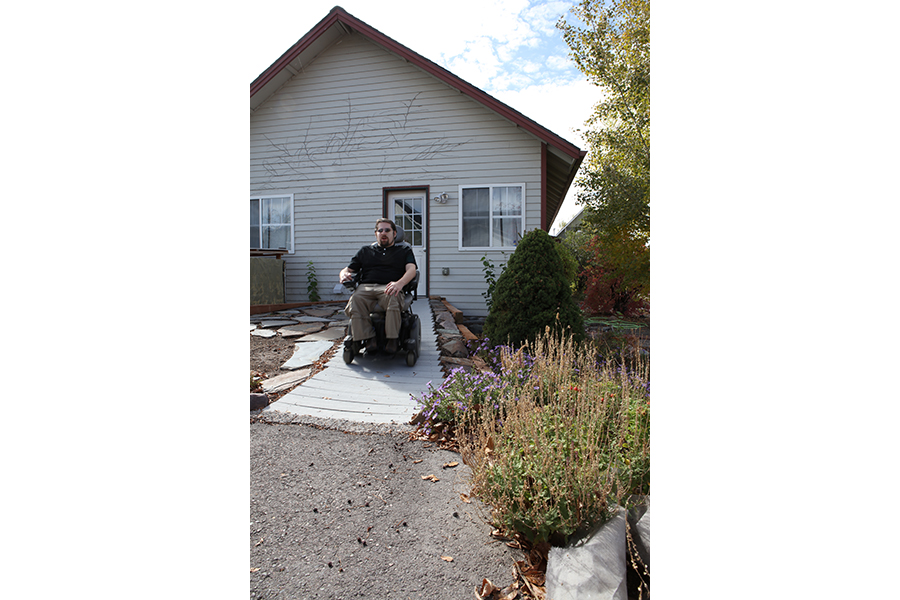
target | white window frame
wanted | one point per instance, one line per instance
(491, 187)
(290, 197)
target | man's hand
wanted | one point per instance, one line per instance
(345, 275)
(395, 288)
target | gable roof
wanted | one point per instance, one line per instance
(562, 157)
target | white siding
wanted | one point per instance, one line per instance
(359, 119)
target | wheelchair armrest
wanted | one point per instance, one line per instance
(353, 282)
(412, 285)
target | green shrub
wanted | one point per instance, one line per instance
(532, 293)
(490, 277)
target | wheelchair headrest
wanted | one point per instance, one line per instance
(399, 238)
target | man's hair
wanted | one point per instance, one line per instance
(380, 221)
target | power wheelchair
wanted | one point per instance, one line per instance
(410, 337)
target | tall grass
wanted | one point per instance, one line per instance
(555, 437)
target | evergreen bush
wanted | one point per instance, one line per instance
(531, 294)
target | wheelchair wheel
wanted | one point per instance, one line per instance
(416, 334)
(348, 355)
(411, 358)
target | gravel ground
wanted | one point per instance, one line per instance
(341, 510)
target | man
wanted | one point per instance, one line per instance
(386, 268)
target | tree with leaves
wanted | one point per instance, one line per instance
(613, 51)
(609, 41)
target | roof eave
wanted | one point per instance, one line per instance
(569, 178)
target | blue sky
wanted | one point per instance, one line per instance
(509, 48)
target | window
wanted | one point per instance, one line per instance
(491, 216)
(272, 223)
(408, 214)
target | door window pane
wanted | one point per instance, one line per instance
(408, 216)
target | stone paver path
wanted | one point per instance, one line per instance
(372, 389)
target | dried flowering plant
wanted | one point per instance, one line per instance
(555, 437)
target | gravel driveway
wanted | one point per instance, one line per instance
(336, 514)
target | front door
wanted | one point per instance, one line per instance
(407, 210)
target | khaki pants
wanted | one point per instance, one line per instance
(369, 298)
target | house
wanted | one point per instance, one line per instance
(573, 225)
(349, 125)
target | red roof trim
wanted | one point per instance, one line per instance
(338, 14)
(544, 187)
(296, 49)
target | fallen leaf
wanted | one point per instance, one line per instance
(415, 462)
(510, 592)
(259, 542)
(430, 477)
(487, 588)
(450, 465)
(465, 498)
(447, 558)
(538, 592)
(254, 569)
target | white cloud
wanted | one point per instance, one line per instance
(545, 16)
(558, 62)
(508, 81)
(531, 67)
(477, 64)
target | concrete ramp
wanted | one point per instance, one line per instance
(376, 389)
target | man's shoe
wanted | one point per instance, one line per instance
(371, 346)
(391, 347)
